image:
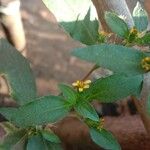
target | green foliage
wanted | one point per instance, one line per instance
(16, 69)
(36, 142)
(114, 87)
(85, 31)
(54, 146)
(86, 110)
(26, 139)
(145, 40)
(104, 139)
(41, 111)
(78, 18)
(50, 136)
(14, 140)
(69, 93)
(140, 17)
(117, 58)
(116, 24)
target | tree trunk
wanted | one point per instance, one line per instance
(119, 6)
(12, 24)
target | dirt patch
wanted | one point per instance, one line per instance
(128, 130)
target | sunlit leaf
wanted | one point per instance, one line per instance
(140, 17)
(77, 17)
(116, 24)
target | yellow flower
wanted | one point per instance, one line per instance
(81, 85)
(133, 31)
(101, 125)
(146, 63)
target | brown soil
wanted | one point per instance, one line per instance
(128, 130)
(49, 53)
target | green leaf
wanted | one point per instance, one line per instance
(54, 146)
(16, 69)
(36, 143)
(41, 111)
(114, 87)
(140, 17)
(117, 58)
(11, 141)
(86, 110)
(69, 93)
(145, 40)
(85, 31)
(116, 24)
(104, 139)
(78, 18)
(50, 136)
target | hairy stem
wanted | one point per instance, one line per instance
(89, 73)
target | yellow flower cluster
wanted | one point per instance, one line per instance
(133, 31)
(81, 85)
(101, 125)
(146, 63)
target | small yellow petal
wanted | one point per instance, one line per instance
(87, 81)
(78, 82)
(81, 85)
(147, 59)
(86, 86)
(74, 84)
(141, 34)
(80, 89)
